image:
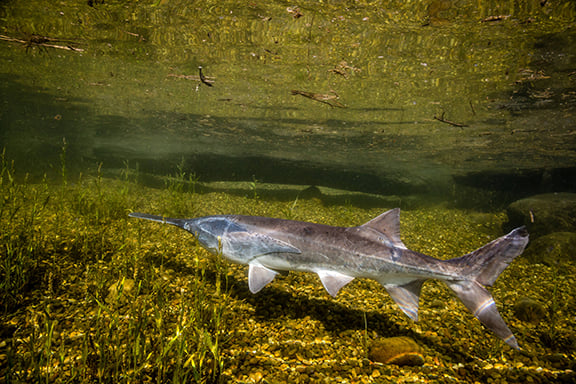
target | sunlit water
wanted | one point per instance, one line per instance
(499, 76)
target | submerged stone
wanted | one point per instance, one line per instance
(529, 310)
(544, 214)
(560, 361)
(397, 350)
(552, 249)
(121, 291)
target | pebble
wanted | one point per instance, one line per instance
(256, 377)
(397, 350)
(121, 291)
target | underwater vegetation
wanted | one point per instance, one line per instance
(87, 295)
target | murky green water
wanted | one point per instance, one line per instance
(504, 70)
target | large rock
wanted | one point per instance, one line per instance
(544, 214)
(552, 249)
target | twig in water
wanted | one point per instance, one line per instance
(327, 98)
(472, 107)
(443, 120)
(40, 41)
(203, 78)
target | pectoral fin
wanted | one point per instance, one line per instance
(259, 276)
(251, 245)
(406, 296)
(333, 281)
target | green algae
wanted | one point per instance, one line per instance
(90, 295)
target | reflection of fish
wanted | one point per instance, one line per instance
(372, 250)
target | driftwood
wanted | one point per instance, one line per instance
(491, 19)
(343, 69)
(203, 78)
(327, 98)
(208, 80)
(443, 120)
(40, 41)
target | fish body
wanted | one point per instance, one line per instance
(373, 250)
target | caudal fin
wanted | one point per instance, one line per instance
(481, 268)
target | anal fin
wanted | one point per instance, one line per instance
(259, 276)
(333, 281)
(406, 296)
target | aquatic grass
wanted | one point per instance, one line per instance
(176, 183)
(63, 164)
(290, 211)
(37, 359)
(181, 187)
(554, 303)
(201, 318)
(557, 297)
(130, 175)
(20, 209)
(116, 342)
(254, 188)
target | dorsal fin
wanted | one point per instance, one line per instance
(386, 227)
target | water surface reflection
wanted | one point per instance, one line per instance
(503, 76)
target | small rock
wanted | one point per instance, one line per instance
(529, 310)
(256, 377)
(398, 351)
(437, 303)
(559, 361)
(312, 192)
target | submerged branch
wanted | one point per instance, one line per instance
(40, 41)
(443, 120)
(203, 78)
(208, 80)
(327, 98)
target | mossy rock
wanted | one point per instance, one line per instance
(529, 310)
(552, 249)
(397, 350)
(544, 214)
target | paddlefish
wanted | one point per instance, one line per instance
(372, 250)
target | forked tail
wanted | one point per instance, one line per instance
(481, 268)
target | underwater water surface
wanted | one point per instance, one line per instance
(381, 97)
(330, 112)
